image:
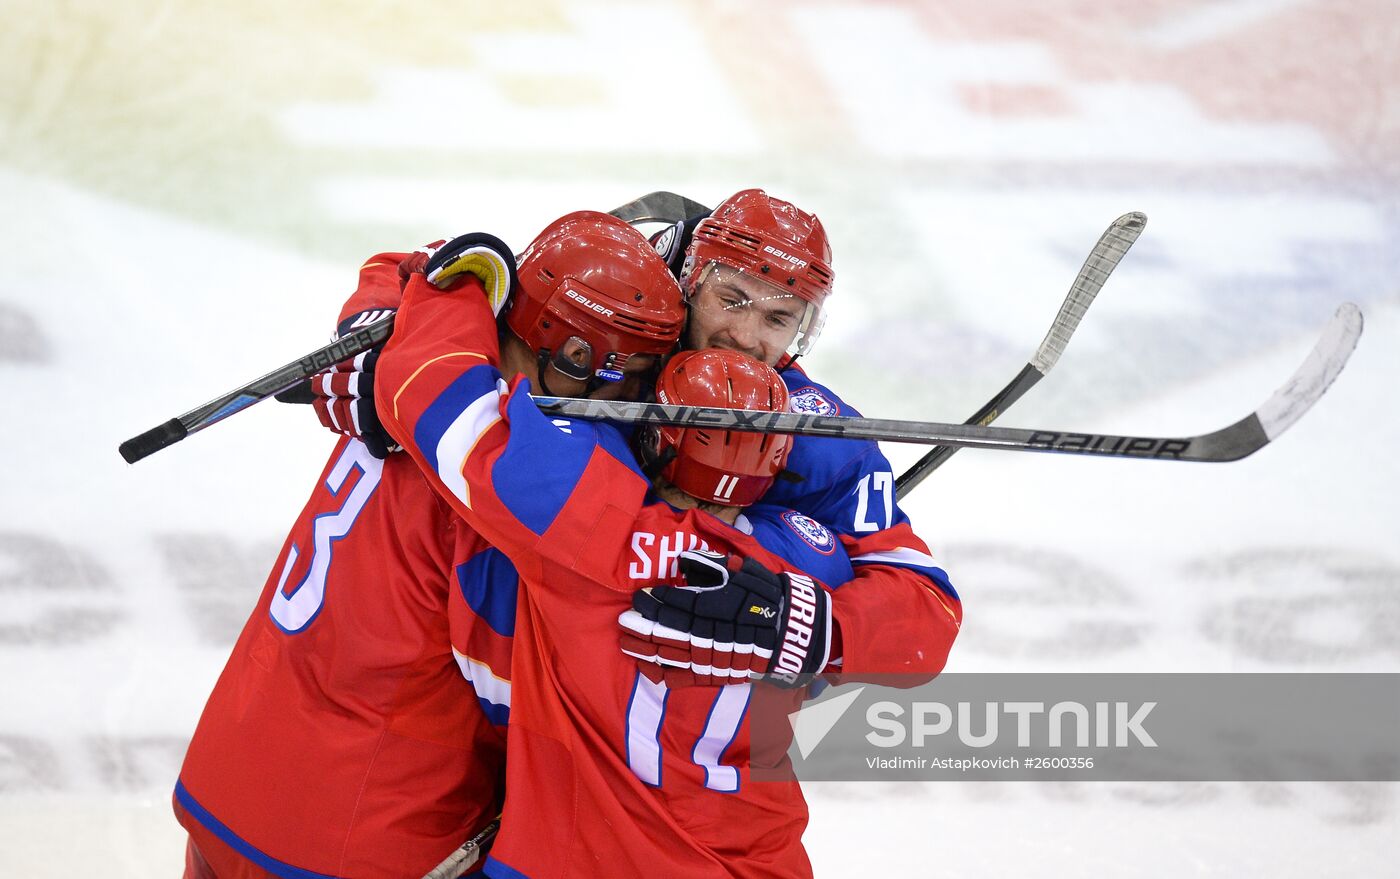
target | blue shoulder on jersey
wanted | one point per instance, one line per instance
(545, 458)
(845, 484)
(803, 542)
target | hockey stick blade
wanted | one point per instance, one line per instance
(237, 400)
(659, 207)
(1239, 440)
(1102, 260)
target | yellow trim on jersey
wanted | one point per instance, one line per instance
(408, 381)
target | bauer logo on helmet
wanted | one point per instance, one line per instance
(796, 261)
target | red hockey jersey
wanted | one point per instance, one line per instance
(609, 774)
(341, 738)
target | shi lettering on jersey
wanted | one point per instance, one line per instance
(655, 557)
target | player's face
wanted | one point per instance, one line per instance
(738, 311)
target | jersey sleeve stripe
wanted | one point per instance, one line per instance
(491, 586)
(493, 692)
(904, 556)
(455, 420)
(908, 558)
(542, 463)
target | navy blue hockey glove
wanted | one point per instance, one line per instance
(733, 620)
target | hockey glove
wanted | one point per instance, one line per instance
(343, 396)
(733, 620)
(445, 264)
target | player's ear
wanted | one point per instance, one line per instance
(573, 359)
(576, 351)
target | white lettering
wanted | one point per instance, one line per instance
(923, 729)
(965, 734)
(768, 248)
(1023, 712)
(1134, 725)
(657, 558)
(641, 568)
(882, 716)
(1081, 723)
(588, 303)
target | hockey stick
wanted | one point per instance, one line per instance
(1239, 440)
(1101, 262)
(659, 207)
(465, 856)
(237, 400)
(654, 206)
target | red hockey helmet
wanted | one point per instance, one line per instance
(728, 467)
(593, 277)
(773, 240)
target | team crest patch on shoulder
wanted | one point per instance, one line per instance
(812, 531)
(810, 401)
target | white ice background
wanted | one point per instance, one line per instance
(186, 192)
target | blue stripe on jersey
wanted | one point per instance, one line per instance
(542, 462)
(500, 870)
(497, 714)
(466, 389)
(237, 843)
(491, 585)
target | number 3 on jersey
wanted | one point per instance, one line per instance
(293, 609)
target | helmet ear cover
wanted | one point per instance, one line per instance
(726, 467)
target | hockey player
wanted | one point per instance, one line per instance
(346, 736)
(922, 618)
(611, 772)
(756, 274)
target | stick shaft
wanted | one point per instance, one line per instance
(259, 389)
(1108, 251)
(1246, 436)
(661, 206)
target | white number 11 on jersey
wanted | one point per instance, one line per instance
(647, 708)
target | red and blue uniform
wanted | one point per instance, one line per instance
(609, 774)
(341, 738)
(901, 614)
(348, 746)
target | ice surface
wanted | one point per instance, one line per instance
(188, 193)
